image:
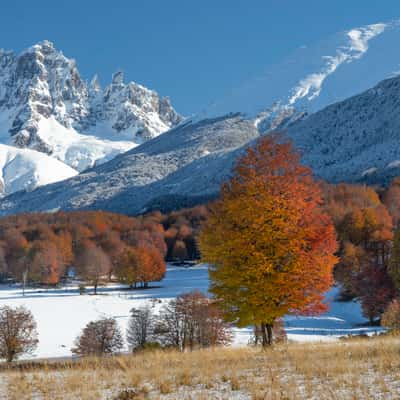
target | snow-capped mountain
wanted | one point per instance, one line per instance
(343, 136)
(182, 166)
(315, 76)
(357, 139)
(25, 169)
(46, 106)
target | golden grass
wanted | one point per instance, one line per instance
(354, 369)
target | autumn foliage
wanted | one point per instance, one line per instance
(99, 338)
(18, 333)
(269, 243)
(270, 216)
(369, 255)
(94, 244)
(140, 265)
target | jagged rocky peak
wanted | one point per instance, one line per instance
(46, 106)
(131, 105)
(43, 84)
(118, 78)
(39, 83)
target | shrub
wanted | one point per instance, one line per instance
(391, 316)
(140, 327)
(18, 333)
(99, 338)
(191, 321)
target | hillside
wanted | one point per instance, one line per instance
(312, 97)
(356, 139)
(353, 140)
(183, 166)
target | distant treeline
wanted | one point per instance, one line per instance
(133, 249)
(43, 246)
(367, 222)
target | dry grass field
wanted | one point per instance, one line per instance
(350, 369)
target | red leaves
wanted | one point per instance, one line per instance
(365, 229)
(46, 244)
(270, 244)
(375, 290)
(140, 265)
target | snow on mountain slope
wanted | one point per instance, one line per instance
(47, 107)
(315, 76)
(188, 162)
(354, 139)
(77, 150)
(357, 139)
(24, 169)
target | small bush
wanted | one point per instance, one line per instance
(129, 394)
(391, 316)
(99, 338)
(165, 387)
(18, 333)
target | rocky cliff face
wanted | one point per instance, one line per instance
(341, 136)
(46, 106)
(354, 140)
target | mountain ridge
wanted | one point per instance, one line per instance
(46, 106)
(354, 139)
(188, 163)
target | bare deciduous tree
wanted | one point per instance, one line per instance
(93, 264)
(18, 333)
(99, 338)
(140, 327)
(192, 320)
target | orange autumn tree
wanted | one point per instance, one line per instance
(269, 244)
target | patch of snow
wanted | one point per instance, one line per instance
(25, 169)
(394, 164)
(315, 76)
(77, 150)
(369, 171)
(311, 85)
(61, 314)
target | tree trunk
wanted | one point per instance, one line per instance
(95, 288)
(10, 356)
(264, 340)
(270, 334)
(266, 334)
(24, 278)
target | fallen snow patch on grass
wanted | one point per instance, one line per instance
(62, 313)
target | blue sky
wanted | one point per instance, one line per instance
(192, 51)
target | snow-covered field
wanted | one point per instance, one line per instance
(62, 313)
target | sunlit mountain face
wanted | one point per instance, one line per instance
(338, 101)
(315, 76)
